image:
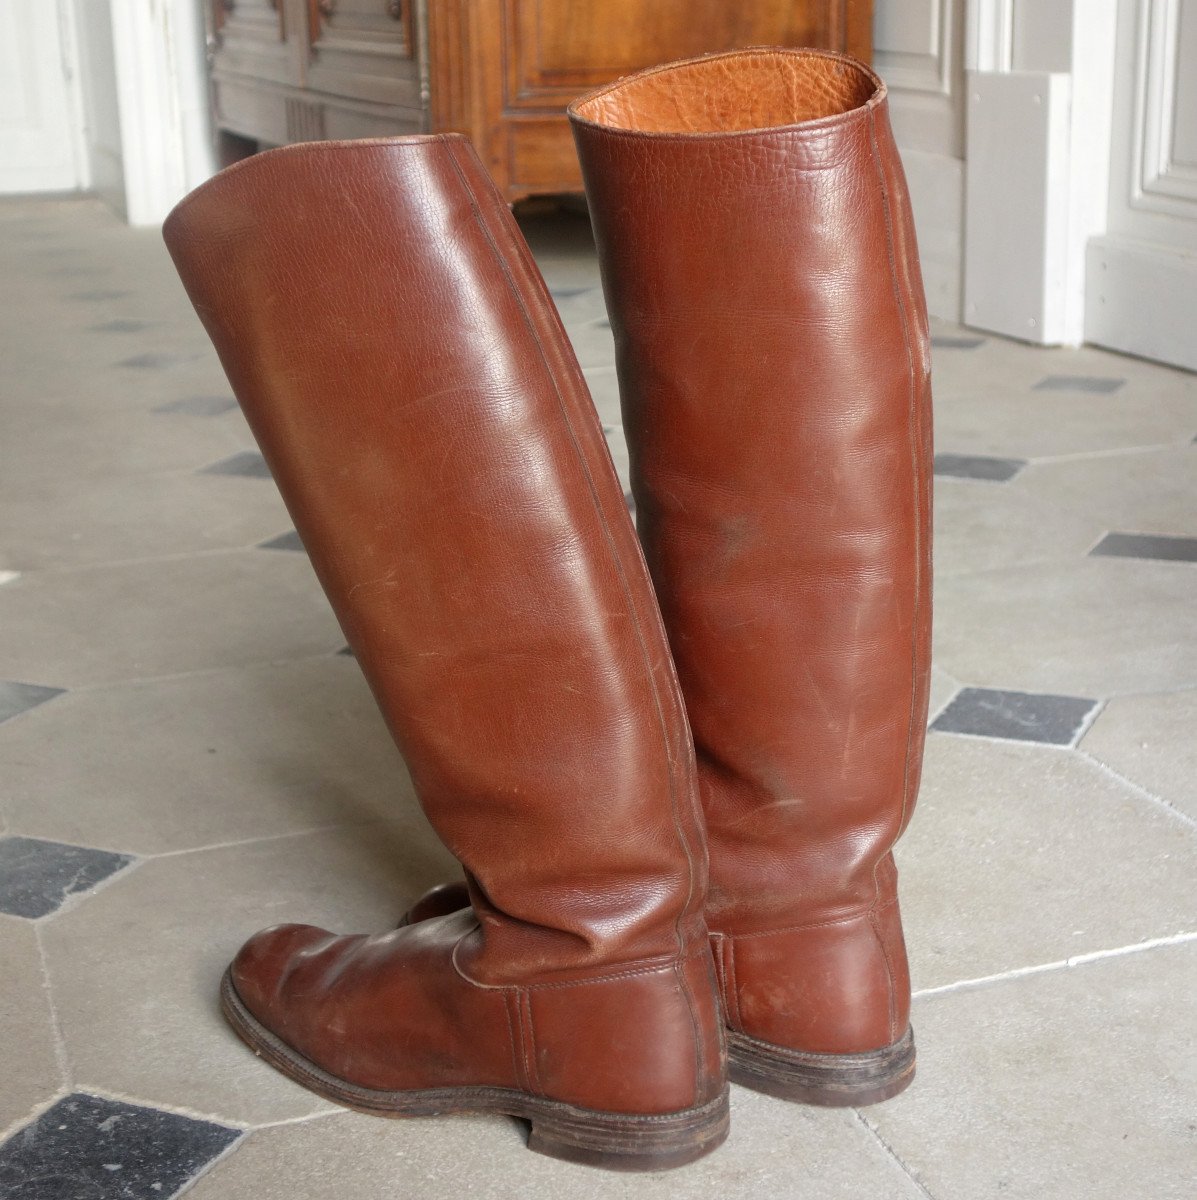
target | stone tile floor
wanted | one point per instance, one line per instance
(186, 755)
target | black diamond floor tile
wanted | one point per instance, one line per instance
(945, 341)
(284, 541)
(1015, 716)
(121, 325)
(155, 362)
(90, 1148)
(1160, 547)
(345, 652)
(37, 877)
(978, 466)
(98, 294)
(199, 406)
(16, 698)
(245, 462)
(1094, 384)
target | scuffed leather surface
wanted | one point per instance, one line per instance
(403, 369)
(773, 360)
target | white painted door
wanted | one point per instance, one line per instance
(40, 143)
(918, 49)
(1141, 290)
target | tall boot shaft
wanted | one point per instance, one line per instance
(759, 264)
(407, 378)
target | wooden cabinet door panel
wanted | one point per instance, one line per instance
(363, 50)
(555, 51)
(252, 39)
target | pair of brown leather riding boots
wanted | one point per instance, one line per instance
(586, 721)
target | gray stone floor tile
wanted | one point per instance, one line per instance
(1019, 855)
(155, 362)
(1152, 546)
(1094, 627)
(217, 757)
(980, 413)
(148, 619)
(1148, 491)
(96, 295)
(604, 391)
(31, 1070)
(948, 341)
(1152, 741)
(37, 877)
(592, 342)
(100, 1149)
(122, 325)
(248, 463)
(285, 541)
(136, 969)
(1096, 385)
(979, 527)
(943, 688)
(74, 439)
(55, 523)
(199, 406)
(1016, 716)
(1074, 1083)
(774, 1150)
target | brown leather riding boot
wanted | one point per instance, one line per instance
(760, 269)
(403, 369)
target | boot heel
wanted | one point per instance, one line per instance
(831, 1080)
(620, 1142)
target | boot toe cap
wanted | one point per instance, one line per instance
(262, 966)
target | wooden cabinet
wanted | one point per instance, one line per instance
(305, 70)
(500, 71)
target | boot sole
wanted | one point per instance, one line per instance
(614, 1141)
(831, 1080)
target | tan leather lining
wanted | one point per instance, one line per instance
(728, 93)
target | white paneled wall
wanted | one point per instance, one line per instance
(1142, 283)
(40, 144)
(101, 114)
(918, 49)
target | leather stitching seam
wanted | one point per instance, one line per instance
(918, 597)
(530, 1062)
(733, 986)
(520, 1079)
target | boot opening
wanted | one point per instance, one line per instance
(733, 93)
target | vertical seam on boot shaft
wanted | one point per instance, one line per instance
(607, 533)
(733, 986)
(918, 566)
(520, 1076)
(683, 986)
(531, 1063)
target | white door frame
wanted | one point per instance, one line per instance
(162, 88)
(1040, 193)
